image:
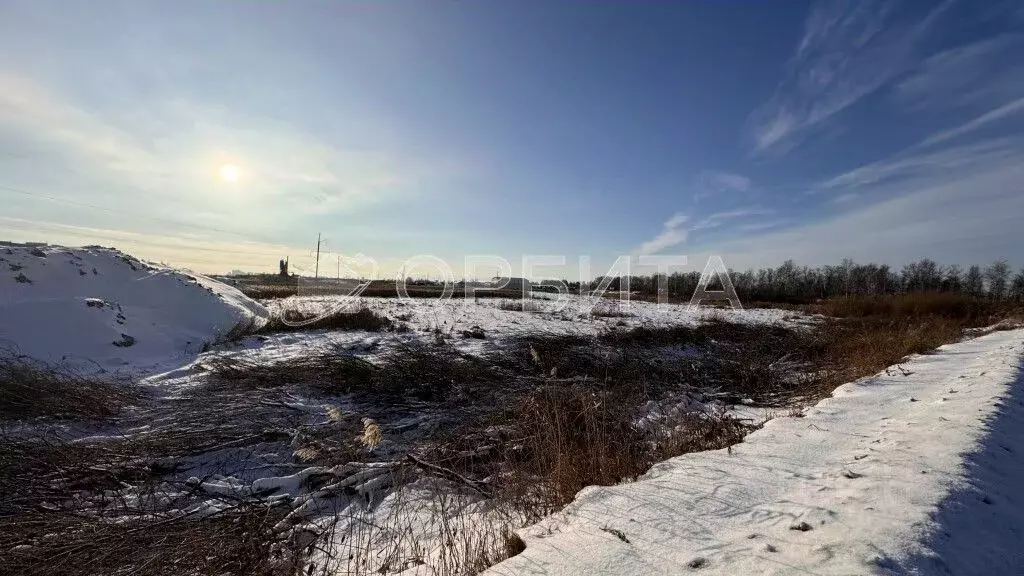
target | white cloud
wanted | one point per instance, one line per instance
(170, 154)
(676, 220)
(981, 121)
(717, 219)
(981, 73)
(712, 182)
(912, 164)
(969, 214)
(672, 234)
(848, 50)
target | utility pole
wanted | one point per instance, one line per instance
(316, 272)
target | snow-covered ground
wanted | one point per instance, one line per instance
(99, 308)
(912, 471)
(916, 470)
(456, 318)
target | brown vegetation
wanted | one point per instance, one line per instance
(525, 429)
(30, 390)
(346, 318)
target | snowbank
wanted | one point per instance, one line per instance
(99, 307)
(914, 471)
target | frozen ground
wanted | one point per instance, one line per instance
(457, 319)
(98, 308)
(913, 471)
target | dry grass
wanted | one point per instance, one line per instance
(521, 305)
(574, 437)
(359, 318)
(407, 372)
(520, 432)
(853, 348)
(918, 305)
(269, 291)
(376, 289)
(31, 390)
(72, 539)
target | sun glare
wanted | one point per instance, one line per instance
(229, 172)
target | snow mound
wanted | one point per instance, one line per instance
(100, 308)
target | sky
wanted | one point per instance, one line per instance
(758, 131)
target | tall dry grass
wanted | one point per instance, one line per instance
(917, 305)
(30, 389)
(520, 432)
(358, 318)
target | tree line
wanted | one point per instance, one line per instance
(791, 283)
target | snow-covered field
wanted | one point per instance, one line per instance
(911, 471)
(481, 326)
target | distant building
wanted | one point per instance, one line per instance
(518, 284)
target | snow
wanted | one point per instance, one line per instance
(547, 316)
(101, 309)
(912, 471)
(427, 317)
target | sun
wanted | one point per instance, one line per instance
(230, 173)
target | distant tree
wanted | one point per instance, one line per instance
(974, 281)
(997, 274)
(1017, 286)
(921, 276)
(952, 279)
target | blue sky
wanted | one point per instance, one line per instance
(761, 131)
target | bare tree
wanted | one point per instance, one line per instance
(1017, 286)
(997, 274)
(974, 282)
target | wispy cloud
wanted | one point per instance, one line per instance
(985, 73)
(985, 119)
(713, 182)
(719, 218)
(848, 50)
(913, 164)
(173, 151)
(672, 234)
(965, 215)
